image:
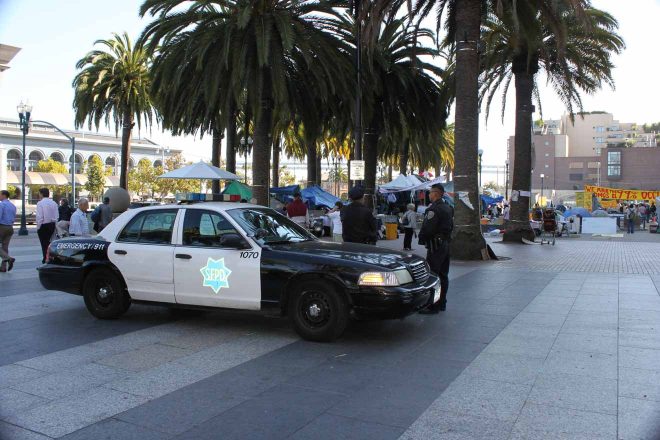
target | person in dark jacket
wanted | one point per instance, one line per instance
(64, 211)
(435, 234)
(358, 223)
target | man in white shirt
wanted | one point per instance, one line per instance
(79, 226)
(335, 217)
(47, 215)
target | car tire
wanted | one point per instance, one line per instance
(104, 293)
(318, 312)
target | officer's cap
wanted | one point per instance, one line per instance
(356, 193)
(438, 186)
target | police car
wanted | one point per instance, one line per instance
(236, 256)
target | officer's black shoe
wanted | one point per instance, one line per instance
(429, 311)
(443, 306)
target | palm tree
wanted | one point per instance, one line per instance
(114, 85)
(261, 44)
(575, 56)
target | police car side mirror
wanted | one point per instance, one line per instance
(233, 241)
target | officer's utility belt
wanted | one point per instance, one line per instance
(436, 242)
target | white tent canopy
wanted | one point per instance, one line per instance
(199, 170)
(401, 183)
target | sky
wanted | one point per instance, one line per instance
(54, 35)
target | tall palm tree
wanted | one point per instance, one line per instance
(114, 85)
(575, 56)
(260, 44)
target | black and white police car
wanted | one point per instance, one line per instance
(236, 256)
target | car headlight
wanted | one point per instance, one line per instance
(385, 279)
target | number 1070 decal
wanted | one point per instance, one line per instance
(249, 254)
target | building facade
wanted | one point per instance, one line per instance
(43, 142)
(594, 150)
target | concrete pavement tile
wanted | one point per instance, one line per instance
(439, 348)
(539, 320)
(205, 338)
(13, 432)
(595, 304)
(13, 374)
(581, 363)
(639, 384)
(562, 421)
(519, 433)
(331, 427)
(275, 414)
(63, 416)
(506, 368)
(646, 316)
(640, 338)
(575, 392)
(157, 381)
(639, 419)
(14, 401)
(587, 343)
(144, 358)
(549, 308)
(113, 429)
(549, 298)
(480, 397)
(520, 345)
(443, 425)
(641, 358)
(336, 377)
(593, 317)
(640, 302)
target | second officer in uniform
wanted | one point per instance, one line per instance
(435, 235)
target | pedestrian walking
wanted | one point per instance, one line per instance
(409, 223)
(358, 223)
(62, 225)
(630, 216)
(79, 226)
(7, 217)
(47, 215)
(653, 209)
(643, 215)
(335, 217)
(297, 210)
(105, 214)
(435, 234)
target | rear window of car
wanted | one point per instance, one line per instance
(149, 227)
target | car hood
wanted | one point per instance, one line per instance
(351, 253)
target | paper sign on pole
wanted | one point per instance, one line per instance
(357, 169)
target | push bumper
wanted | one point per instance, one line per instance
(63, 278)
(394, 302)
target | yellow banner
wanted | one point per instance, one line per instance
(621, 194)
(583, 199)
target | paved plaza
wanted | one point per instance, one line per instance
(556, 342)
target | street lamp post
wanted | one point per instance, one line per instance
(24, 111)
(542, 177)
(506, 180)
(73, 159)
(481, 152)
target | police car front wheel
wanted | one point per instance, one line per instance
(104, 294)
(318, 312)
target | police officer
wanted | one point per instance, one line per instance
(358, 222)
(435, 236)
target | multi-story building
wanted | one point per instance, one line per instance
(595, 150)
(7, 53)
(43, 142)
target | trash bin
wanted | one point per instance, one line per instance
(391, 231)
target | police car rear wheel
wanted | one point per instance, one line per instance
(104, 294)
(318, 312)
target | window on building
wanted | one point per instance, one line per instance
(614, 171)
(33, 159)
(614, 158)
(600, 140)
(547, 154)
(111, 162)
(547, 166)
(575, 177)
(575, 165)
(593, 165)
(14, 160)
(547, 143)
(599, 129)
(57, 157)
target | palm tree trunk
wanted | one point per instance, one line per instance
(275, 180)
(370, 157)
(311, 163)
(403, 158)
(468, 243)
(262, 139)
(231, 137)
(518, 226)
(126, 129)
(389, 173)
(216, 156)
(318, 169)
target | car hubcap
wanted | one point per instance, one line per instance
(315, 309)
(104, 294)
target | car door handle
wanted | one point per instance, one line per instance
(183, 256)
(120, 252)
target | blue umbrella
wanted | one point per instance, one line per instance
(577, 211)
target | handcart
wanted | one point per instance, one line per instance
(549, 228)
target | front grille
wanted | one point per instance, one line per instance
(419, 271)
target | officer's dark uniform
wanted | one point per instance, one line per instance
(357, 221)
(435, 235)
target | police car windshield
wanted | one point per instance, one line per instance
(269, 227)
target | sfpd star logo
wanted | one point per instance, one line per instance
(215, 274)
